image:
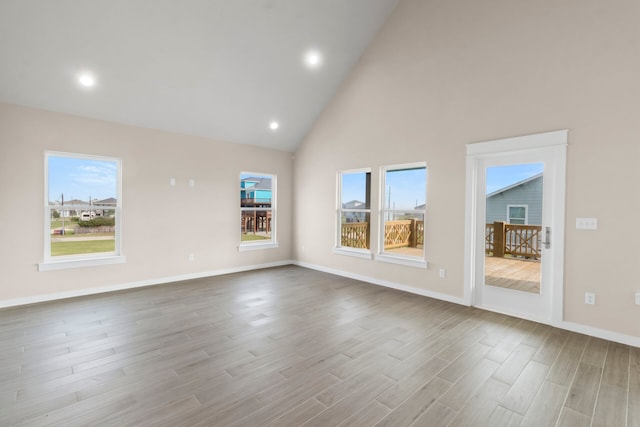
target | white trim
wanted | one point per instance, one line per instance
(67, 263)
(569, 326)
(385, 283)
(72, 261)
(354, 252)
(243, 247)
(132, 285)
(518, 143)
(338, 248)
(383, 255)
(599, 333)
(552, 144)
(402, 260)
(272, 242)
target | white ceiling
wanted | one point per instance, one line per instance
(221, 69)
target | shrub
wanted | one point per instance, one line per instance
(99, 222)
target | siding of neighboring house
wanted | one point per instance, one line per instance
(528, 193)
(259, 194)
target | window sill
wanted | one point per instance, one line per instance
(242, 247)
(358, 253)
(410, 262)
(67, 263)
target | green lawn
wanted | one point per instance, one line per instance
(249, 237)
(88, 247)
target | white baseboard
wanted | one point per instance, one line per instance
(132, 285)
(569, 326)
(600, 333)
(385, 283)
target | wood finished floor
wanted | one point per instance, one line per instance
(290, 346)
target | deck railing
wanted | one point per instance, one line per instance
(397, 234)
(355, 235)
(513, 239)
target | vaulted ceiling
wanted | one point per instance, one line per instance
(221, 69)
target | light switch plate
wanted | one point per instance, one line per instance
(637, 298)
(586, 223)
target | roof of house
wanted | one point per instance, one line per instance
(109, 201)
(514, 185)
(261, 183)
(353, 204)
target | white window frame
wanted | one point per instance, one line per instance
(346, 250)
(81, 260)
(407, 260)
(526, 213)
(260, 244)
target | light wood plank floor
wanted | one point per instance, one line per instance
(290, 346)
(512, 273)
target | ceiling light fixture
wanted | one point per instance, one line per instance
(86, 80)
(313, 59)
(274, 125)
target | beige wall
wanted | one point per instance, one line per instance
(162, 225)
(443, 73)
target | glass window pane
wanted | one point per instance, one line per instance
(354, 231)
(404, 233)
(83, 199)
(256, 216)
(405, 188)
(403, 213)
(354, 190)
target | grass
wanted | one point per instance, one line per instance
(249, 237)
(82, 247)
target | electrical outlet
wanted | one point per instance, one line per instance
(637, 298)
(589, 298)
(191, 257)
(192, 183)
(172, 182)
(442, 274)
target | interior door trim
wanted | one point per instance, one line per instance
(554, 141)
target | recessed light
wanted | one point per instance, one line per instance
(313, 59)
(86, 80)
(274, 125)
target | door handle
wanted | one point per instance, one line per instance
(547, 238)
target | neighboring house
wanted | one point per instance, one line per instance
(68, 213)
(355, 216)
(105, 202)
(255, 191)
(104, 207)
(519, 203)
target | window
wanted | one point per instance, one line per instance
(517, 214)
(82, 211)
(403, 210)
(257, 211)
(354, 212)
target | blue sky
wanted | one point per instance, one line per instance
(408, 188)
(502, 176)
(81, 178)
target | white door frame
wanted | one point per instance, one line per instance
(555, 142)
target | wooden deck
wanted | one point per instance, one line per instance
(521, 275)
